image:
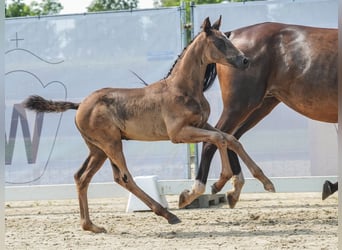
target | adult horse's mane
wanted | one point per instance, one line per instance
(210, 73)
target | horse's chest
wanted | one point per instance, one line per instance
(197, 110)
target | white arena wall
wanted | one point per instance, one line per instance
(68, 57)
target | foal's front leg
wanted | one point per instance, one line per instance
(256, 171)
(124, 178)
(233, 195)
(236, 146)
(189, 134)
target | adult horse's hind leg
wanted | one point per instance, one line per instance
(328, 189)
(82, 178)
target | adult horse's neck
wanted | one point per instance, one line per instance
(189, 71)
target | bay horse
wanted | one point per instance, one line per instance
(293, 64)
(173, 108)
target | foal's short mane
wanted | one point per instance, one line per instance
(210, 72)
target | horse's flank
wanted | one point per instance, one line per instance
(295, 64)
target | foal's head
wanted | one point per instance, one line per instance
(220, 49)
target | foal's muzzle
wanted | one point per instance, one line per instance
(242, 62)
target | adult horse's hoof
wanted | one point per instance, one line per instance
(174, 220)
(183, 199)
(214, 190)
(326, 190)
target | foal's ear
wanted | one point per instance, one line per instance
(217, 24)
(206, 26)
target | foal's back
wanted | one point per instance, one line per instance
(130, 114)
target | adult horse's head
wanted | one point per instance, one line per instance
(220, 48)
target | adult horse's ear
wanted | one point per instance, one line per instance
(206, 26)
(217, 24)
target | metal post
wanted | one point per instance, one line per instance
(192, 148)
(183, 23)
(192, 21)
(192, 9)
(184, 40)
(192, 164)
(2, 126)
(339, 136)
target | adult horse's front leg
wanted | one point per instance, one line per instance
(257, 115)
(187, 196)
(232, 143)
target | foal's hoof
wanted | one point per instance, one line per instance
(100, 230)
(269, 187)
(174, 220)
(231, 200)
(93, 228)
(183, 199)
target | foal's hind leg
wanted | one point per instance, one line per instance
(328, 189)
(82, 178)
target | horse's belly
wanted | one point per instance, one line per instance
(144, 131)
(319, 109)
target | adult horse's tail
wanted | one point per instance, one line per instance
(41, 105)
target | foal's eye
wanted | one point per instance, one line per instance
(220, 44)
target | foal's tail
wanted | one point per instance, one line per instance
(41, 105)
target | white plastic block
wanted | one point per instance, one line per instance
(149, 185)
